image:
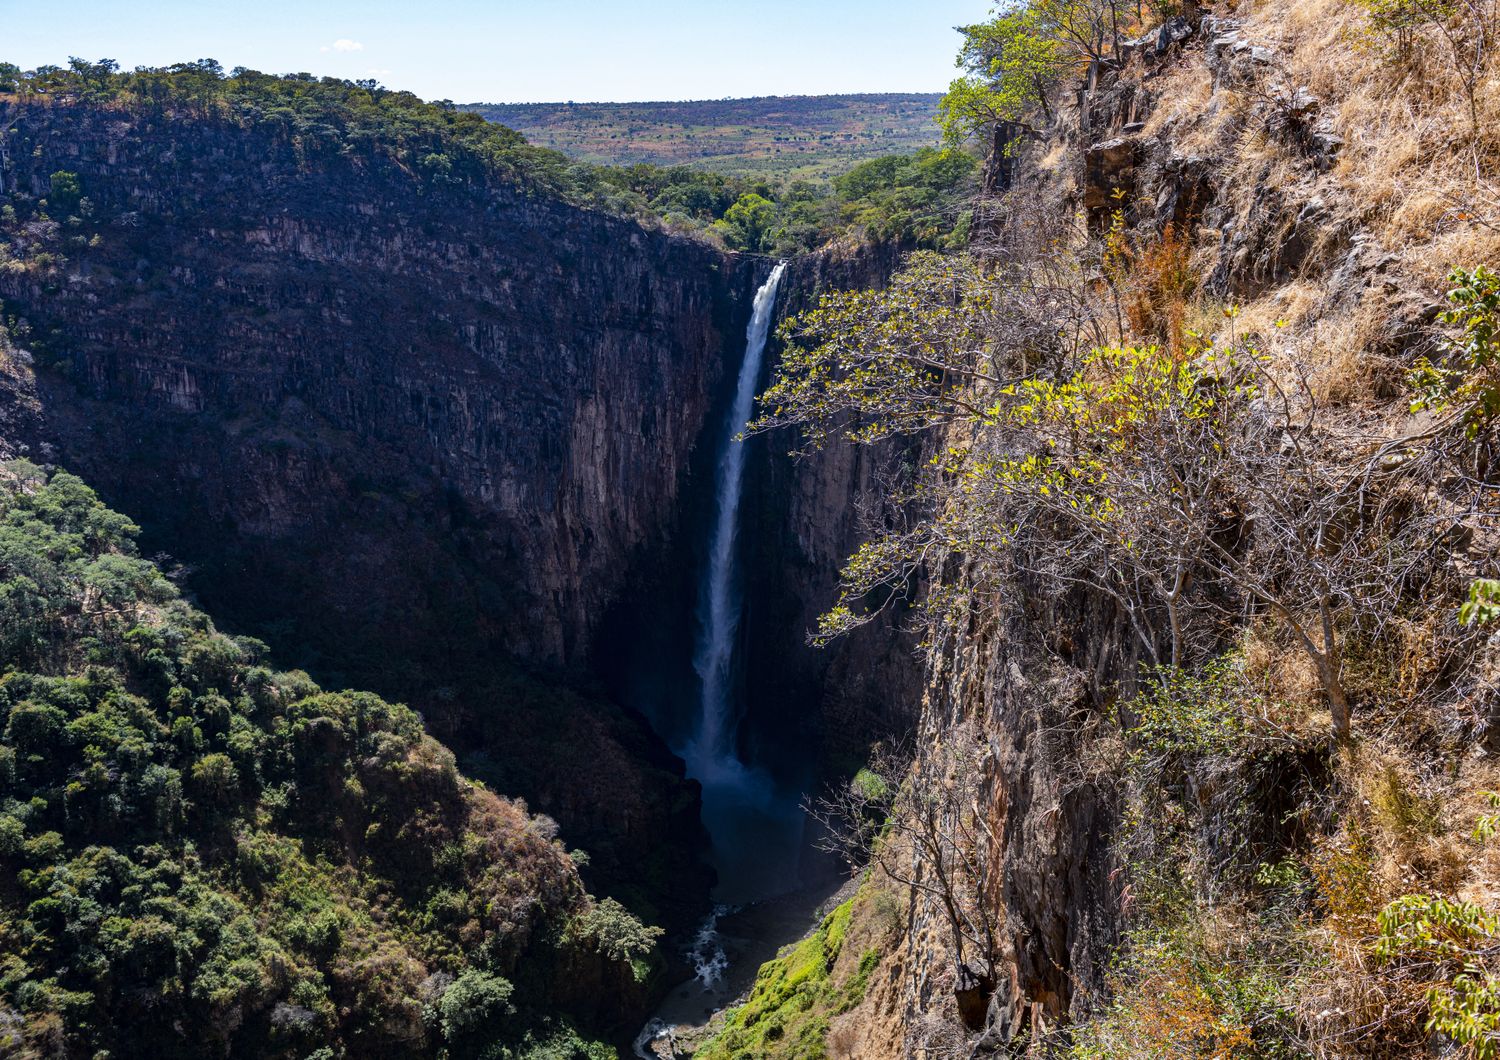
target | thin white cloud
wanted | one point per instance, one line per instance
(343, 44)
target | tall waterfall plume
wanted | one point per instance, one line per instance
(719, 605)
(756, 829)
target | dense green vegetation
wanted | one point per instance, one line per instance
(795, 995)
(201, 854)
(922, 198)
(321, 115)
(770, 137)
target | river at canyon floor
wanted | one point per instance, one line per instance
(746, 937)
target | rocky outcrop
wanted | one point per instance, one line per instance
(1108, 172)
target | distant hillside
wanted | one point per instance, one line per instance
(813, 137)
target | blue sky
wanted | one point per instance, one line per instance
(517, 51)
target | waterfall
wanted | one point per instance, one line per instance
(712, 748)
(755, 829)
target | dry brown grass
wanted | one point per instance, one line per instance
(1281, 669)
(1187, 101)
(1405, 799)
(1403, 833)
(1418, 827)
(1345, 355)
(1407, 160)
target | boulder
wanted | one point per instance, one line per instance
(1108, 166)
(973, 994)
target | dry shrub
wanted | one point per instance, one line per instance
(1170, 1005)
(1348, 887)
(935, 1035)
(1200, 984)
(1160, 285)
(1391, 674)
(1280, 669)
(1402, 810)
(844, 1039)
(1349, 1006)
(1418, 656)
(1348, 367)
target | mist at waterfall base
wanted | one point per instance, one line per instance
(755, 829)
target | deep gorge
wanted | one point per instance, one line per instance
(452, 445)
(403, 654)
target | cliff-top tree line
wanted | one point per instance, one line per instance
(919, 199)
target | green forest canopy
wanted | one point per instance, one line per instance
(201, 854)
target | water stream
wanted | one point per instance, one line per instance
(755, 828)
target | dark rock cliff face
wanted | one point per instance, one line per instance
(453, 443)
(299, 345)
(807, 517)
(405, 431)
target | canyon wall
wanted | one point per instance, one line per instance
(376, 378)
(417, 435)
(452, 442)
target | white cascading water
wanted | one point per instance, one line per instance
(755, 831)
(712, 749)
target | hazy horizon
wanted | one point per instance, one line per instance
(701, 99)
(585, 51)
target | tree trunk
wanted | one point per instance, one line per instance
(1174, 616)
(1330, 667)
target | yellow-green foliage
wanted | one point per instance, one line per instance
(1460, 940)
(794, 995)
(1010, 64)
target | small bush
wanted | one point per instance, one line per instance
(615, 932)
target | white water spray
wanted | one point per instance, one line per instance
(711, 753)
